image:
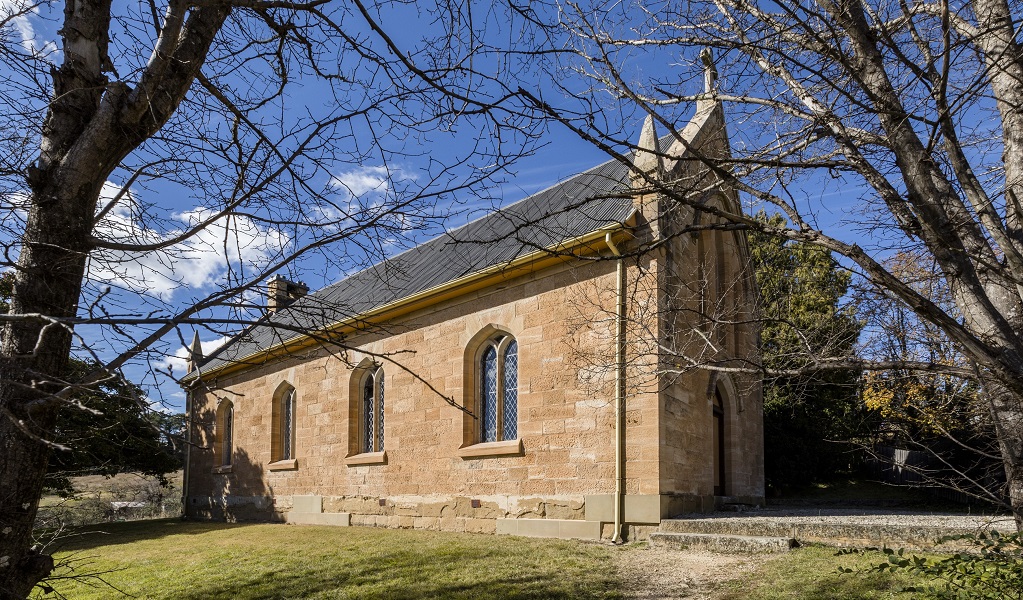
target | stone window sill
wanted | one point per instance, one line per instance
(223, 469)
(283, 465)
(367, 458)
(488, 449)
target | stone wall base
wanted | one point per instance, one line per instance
(550, 528)
(588, 518)
(335, 519)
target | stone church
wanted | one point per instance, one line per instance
(563, 367)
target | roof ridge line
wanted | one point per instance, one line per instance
(451, 232)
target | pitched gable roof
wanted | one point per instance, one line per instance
(579, 205)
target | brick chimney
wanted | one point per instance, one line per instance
(281, 293)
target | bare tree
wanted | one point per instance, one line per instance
(159, 138)
(908, 110)
(939, 415)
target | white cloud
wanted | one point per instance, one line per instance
(369, 193)
(18, 14)
(196, 262)
(362, 181)
(176, 363)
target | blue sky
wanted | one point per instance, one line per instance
(158, 208)
(154, 209)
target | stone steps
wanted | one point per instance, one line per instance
(746, 544)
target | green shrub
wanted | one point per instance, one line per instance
(989, 567)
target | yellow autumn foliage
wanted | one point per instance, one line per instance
(930, 403)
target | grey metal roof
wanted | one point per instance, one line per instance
(574, 207)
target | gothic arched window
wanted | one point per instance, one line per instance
(282, 445)
(499, 389)
(225, 431)
(373, 411)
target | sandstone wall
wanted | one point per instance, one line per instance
(565, 417)
(689, 301)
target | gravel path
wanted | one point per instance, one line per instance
(868, 516)
(663, 574)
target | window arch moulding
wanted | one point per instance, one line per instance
(366, 415)
(490, 392)
(284, 412)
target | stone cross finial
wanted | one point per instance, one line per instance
(710, 72)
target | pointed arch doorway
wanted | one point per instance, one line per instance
(718, 448)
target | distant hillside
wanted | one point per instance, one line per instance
(123, 497)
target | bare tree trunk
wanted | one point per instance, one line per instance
(1002, 55)
(1007, 413)
(21, 467)
(988, 298)
(91, 125)
(49, 281)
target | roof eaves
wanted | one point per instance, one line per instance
(556, 251)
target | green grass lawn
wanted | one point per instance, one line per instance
(175, 559)
(186, 560)
(811, 572)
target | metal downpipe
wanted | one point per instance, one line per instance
(619, 497)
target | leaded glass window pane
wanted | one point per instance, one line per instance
(228, 435)
(380, 411)
(511, 391)
(488, 383)
(368, 414)
(288, 425)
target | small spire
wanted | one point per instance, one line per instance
(710, 72)
(647, 159)
(194, 353)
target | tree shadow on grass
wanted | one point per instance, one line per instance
(371, 583)
(299, 562)
(368, 569)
